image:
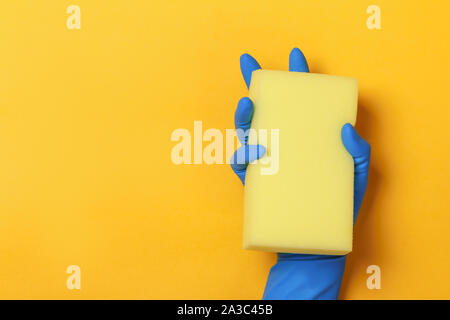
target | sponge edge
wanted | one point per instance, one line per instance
(306, 205)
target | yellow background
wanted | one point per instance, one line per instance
(85, 123)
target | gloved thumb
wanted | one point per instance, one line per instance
(355, 145)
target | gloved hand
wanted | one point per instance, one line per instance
(300, 276)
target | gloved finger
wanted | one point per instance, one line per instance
(243, 155)
(357, 147)
(297, 61)
(243, 118)
(360, 151)
(248, 65)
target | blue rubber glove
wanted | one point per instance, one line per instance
(301, 276)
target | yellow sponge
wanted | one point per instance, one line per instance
(300, 200)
